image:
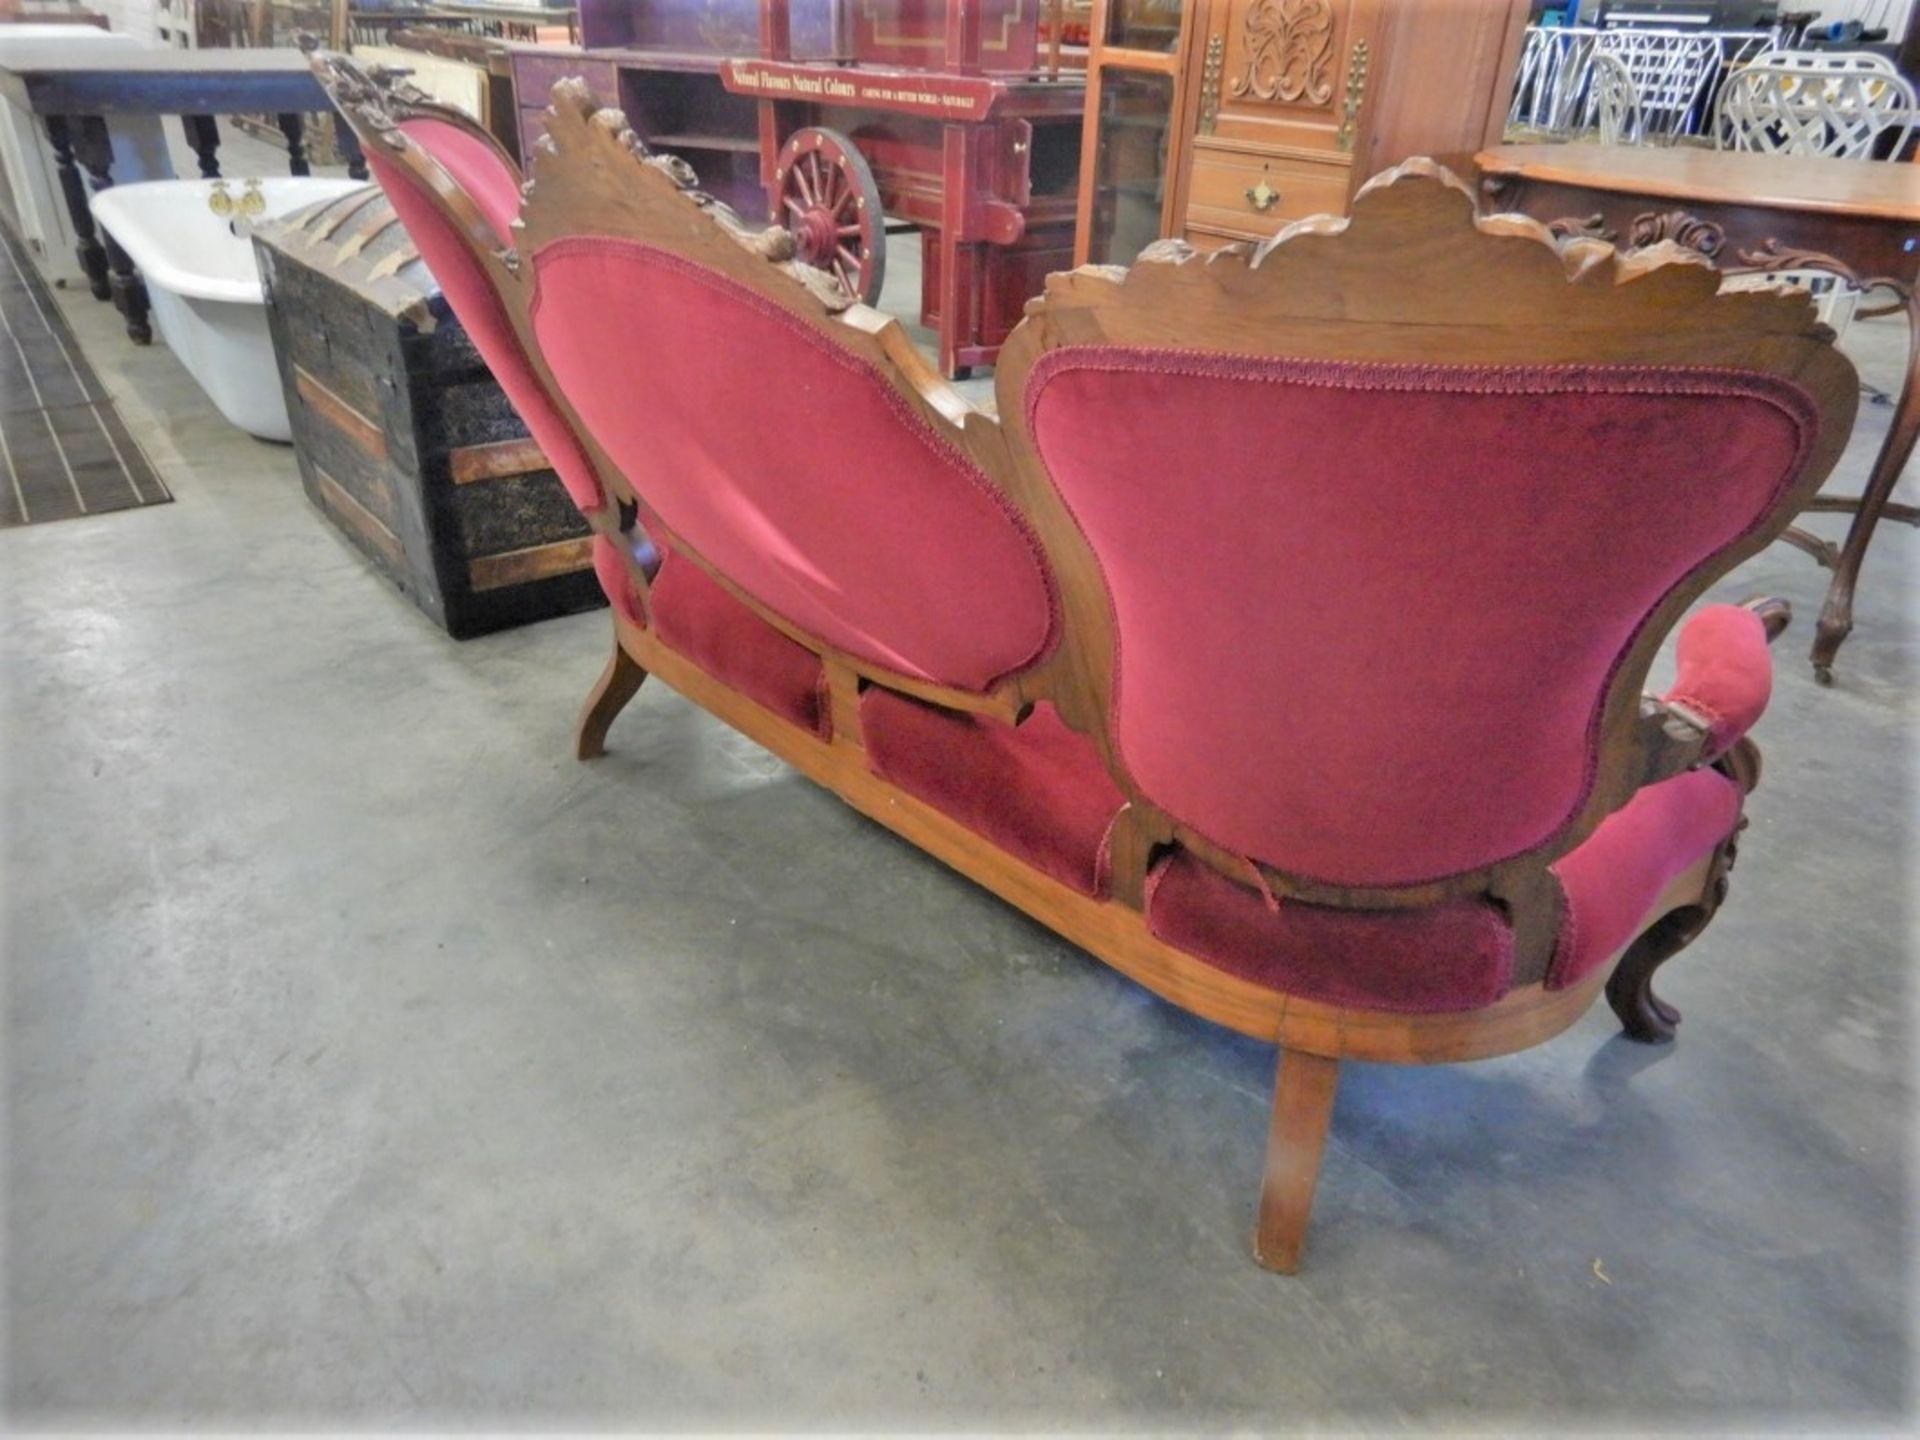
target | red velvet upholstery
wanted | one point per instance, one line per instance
(473, 299)
(610, 568)
(475, 166)
(1456, 956)
(1036, 789)
(1613, 879)
(791, 467)
(1725, 673)
(694, 615)
(1367, 613)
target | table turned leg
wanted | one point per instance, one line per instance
(204, 136)
(349, 144)
(95, 150)
(91, 254)
(294, 127)
(1836, 616)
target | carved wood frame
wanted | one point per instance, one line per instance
(1403, 279)
(1366, 287)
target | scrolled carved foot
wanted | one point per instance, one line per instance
(1644, 1015)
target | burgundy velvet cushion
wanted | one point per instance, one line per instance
(694, 615)
(790, 466)
(1367, 613)
(474, 301)
(1616, 875)
(1036, 789)
(610, 568)
(1725, 673)
(1457, 956)
(479, 169)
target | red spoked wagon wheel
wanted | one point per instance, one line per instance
(831, 207)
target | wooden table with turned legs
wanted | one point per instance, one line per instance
(76, 91)
(1857, 219)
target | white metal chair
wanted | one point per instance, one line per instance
(1836, 103)
(1613, 102)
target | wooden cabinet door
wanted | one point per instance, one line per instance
(1280, 89)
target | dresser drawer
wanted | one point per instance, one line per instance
(1218, 198)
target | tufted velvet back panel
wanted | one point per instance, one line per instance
(791, 465)
(1367, 614)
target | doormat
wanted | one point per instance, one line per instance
(64, 450)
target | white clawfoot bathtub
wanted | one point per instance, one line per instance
(206, 293)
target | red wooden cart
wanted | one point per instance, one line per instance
(952, 118)
(959, 118)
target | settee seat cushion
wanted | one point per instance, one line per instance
(1037, 789)
(1455, 956)
(695, 616)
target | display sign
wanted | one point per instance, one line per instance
(944, 97)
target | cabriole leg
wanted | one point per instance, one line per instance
(1302, 1108)
(618, 684)
(1836, 616)
(1643, 1015)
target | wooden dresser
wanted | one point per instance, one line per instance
(1226, 119)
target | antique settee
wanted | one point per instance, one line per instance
(1281, 640)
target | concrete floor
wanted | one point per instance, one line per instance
(371, 1063)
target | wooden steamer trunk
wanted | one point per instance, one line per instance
(404, 439)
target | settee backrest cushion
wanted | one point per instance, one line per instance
(472, 162)
(1366, 615)
(791, 465)
(474, 300)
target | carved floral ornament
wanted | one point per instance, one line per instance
(1288, 46)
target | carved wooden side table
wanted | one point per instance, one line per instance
(1858, 219)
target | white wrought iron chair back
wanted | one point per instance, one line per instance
(1613, 102)
(1833, 103)
(1673, 72)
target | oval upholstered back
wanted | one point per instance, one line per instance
(494, 189)
(791, 465)
(475, 164)
(1367, 614)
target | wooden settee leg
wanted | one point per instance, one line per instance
(1644, 1015)
(1302, 1107)
(618, 684)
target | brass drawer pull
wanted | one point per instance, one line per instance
(1263, 197)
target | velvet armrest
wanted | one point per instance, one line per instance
(1725, 673)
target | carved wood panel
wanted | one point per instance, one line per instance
(1287, 52)
(1284, 67)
